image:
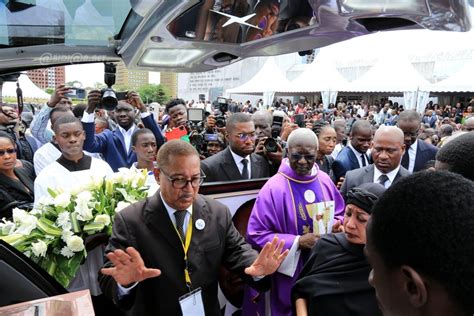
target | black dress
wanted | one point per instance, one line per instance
(334, 280)
(17, 193)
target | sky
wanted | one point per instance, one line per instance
(89, 74)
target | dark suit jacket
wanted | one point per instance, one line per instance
(13, 193)
(346, 160)
(222, 167)
(356, 177)
(111, 144)
(147, 227)
(424, 153)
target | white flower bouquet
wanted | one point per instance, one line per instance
(54, 234)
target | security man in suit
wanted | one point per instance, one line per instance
(417, 152)
(168, 248)
(238, 161)
(354, 155)
(387, 151)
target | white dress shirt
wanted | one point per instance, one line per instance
(412, 154)
(240, 165)
(391, 176)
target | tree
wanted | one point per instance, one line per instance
(49, 90)
(154, 93)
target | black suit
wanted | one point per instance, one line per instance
(222, 167)
(424, 153)
(147, 226)
(17, 193)
(359, 176)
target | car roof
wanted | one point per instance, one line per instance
(190, 36)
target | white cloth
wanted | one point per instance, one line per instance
(56, 176)
(289, 265)
(48, 153)
(391, 176)
(240, 165)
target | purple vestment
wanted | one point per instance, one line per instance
(281, 209)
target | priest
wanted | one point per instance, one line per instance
(297, 204)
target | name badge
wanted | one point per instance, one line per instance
(191, 303)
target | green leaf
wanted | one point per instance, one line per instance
(52, 193)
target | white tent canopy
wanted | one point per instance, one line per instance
(388, 75)
(29, 89)
(460, 81)
(268, 80)
(319, 76)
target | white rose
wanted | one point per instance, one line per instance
(84, 212)
(102, 219)
(84, 196)
(66, 252)
(75, 243)
(121, 205)
(39, 248)
(62, 200)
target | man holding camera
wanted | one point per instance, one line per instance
(115, 146)
(268, 144)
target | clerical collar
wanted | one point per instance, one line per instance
(83, 164)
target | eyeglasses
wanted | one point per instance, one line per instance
(8, 151)
(181, 183)
(244, 136)
(298, 157)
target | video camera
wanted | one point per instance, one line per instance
(223, 106)
(110, 98)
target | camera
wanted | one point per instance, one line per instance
(270, 145)
(110, 98)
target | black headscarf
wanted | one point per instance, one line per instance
(365, 196)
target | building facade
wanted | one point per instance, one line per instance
(131, 79)
(169, 80)
(48, 77)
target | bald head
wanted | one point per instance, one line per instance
(388, 148)
(468, 125)
(392, 132)
(302, 137)
(263, 123)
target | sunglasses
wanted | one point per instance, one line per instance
(298, 157)
(8, 151)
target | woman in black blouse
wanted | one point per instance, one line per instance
(16, 179)
(327, 141)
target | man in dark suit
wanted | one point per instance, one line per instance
(115, 146)
(417, 152)
(354, 155)
(387, 151)
(237, 161)
(175, 241)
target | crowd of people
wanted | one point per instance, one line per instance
(358, 216)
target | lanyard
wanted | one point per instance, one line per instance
(186, 244)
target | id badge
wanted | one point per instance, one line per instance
(191, 303)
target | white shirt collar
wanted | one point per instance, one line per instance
(127, 135)
(238, 161)
(356, 152)
(391, 175)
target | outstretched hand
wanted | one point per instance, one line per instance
(269, 259)
(128, 267)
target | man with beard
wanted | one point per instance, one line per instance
(237, 161)
(115, 146)
(417, 153)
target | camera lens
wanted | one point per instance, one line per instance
(270, 145)
(109, 99)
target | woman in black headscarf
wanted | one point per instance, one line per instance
(334, 280)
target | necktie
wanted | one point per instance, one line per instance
(406, 158)
(180, 215)
(245, 170)
(363, 160)
(382, 179)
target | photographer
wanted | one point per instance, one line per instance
(9, 123)
(268, 143)
(115, 146)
